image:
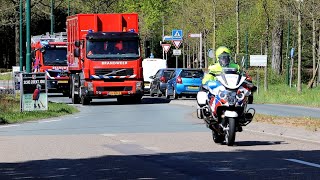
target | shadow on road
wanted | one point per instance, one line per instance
(242, 164)
(258, 143)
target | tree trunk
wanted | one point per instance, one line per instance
(299, 88)
(313, 45)
(277, 38)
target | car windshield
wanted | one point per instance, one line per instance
(191, 73)
(113, 49)
(55, 56)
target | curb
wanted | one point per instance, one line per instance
(296, 133)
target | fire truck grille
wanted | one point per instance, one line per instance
(114, 72)
(117, 88)
(57, 74)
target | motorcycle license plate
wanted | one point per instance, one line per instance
(146, 84)
(62, 82)
(193, 87)
(115, 93)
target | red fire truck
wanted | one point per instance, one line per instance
(49, 53)
(104, 57)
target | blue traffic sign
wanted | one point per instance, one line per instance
(177, 34)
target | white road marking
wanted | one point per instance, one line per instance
(304, 162)
(290, 137)
(152, 148)
(126, 141)
(55, 120)
(7, 126)
(108, 135)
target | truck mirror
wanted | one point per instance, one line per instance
(77, 43)
(76, 52)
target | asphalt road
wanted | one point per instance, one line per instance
(157, 139)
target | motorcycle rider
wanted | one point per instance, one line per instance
(223, 57)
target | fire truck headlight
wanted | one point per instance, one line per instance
(138, 85)
(90, 86)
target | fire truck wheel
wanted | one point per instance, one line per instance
(75, 97)
(85, 100)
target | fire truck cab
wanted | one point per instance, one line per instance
(49, 53)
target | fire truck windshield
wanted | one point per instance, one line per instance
(55, 56)
(113, 49)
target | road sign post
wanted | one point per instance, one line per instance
(176, 37)
(200, 49)
(165, 48)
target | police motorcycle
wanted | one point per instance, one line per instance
(222, 104)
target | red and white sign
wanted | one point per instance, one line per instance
(166, 47)
(176, 43)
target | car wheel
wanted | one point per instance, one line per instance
(167, 94)
(175, 95)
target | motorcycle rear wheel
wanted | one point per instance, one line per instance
(230, 134)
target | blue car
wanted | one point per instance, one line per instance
(184, 82)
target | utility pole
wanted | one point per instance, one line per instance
(28, 36)
(52, 17)
(163, 37)
(20, 35)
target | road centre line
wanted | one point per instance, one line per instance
(304, 162)
(290, 137)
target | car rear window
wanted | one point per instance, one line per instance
(167, 73)
(191, 73)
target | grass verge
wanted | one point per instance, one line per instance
(10, 111)
(283, 94)
(6, 76)
(311, 124)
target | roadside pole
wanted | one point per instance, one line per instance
(200, 47)
(20, 35)
(28, 36)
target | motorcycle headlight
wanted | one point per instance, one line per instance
(223, 94)
(232, 98)
(240, 96)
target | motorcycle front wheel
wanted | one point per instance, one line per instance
(216, 137)
(230, 133)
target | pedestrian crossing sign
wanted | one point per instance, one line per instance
(177, 34)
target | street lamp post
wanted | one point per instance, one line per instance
(20, 35)
(28, 36)
(52, 17)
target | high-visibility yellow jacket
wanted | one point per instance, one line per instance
(217, 69)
